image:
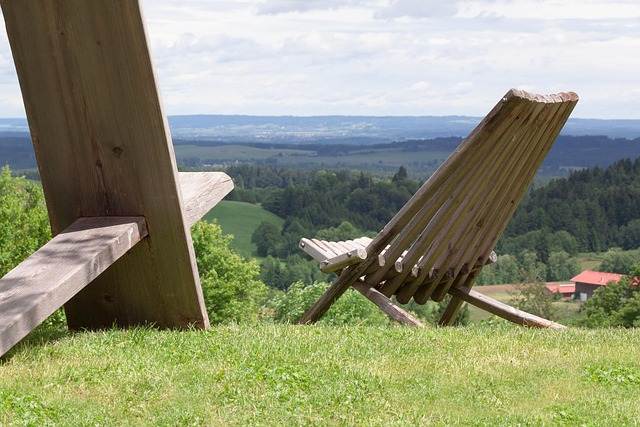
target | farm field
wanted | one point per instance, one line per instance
(241, 219)
(291, 375)
(367, 158)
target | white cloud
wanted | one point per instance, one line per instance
(274, 7)
(416, 57)
(418, 9)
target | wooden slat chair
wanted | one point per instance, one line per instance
(439, 241)
(119, 210)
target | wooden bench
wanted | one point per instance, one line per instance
(119, 210)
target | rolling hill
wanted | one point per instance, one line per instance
(241, 219)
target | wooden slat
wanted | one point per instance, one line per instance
(341, 261)
(316, 252)
(387, 306)
(103, 149)
(201, 191)
(59, 270)
(325, 247)
(503, 310)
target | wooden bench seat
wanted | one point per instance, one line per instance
(55, 273)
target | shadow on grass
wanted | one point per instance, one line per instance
(48, 332)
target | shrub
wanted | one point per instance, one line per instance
(24, 226)
(351, 308)
(232, 289)
(617, 304)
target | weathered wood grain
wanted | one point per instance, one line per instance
(503, 310)
(201, 191)
(103, 149)
(46, 280)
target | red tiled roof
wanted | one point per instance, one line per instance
(561, 288)
(597, 278)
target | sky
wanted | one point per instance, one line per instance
(383, 57)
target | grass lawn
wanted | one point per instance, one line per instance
(241, 219)
(291, 375)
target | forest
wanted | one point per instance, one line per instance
(592, 210)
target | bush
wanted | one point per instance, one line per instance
(350, 309)
(24, 225)
(533, 298)
(232, 289)
(617, 304)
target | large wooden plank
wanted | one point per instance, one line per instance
(60, 269)
(201, 191)
(103, 149)
(503, 310)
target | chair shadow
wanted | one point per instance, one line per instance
(40, 336)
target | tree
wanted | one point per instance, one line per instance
(616, 261)
(532, 270)
(24, 225)
(401, 175)
(617, 304)
(344, 231)
(561, 266)
(266, 237)
(230, 284)
(630, 234)
(534, 298)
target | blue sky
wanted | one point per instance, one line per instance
(383, 57)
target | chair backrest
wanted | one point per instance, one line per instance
(447, 230)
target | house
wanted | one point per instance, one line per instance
(565, 290)
(588, 281)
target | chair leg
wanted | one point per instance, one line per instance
(498, 308)
(335, 291)
(386, 305)
(451, 312)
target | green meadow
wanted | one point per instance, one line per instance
(241, 219)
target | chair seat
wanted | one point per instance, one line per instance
(334, 256)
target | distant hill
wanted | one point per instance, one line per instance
(344, 129)
(420, 156)
(241, 219)
(361, 129)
